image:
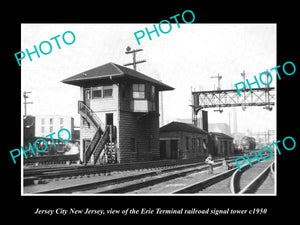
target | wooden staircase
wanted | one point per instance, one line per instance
(101, 139)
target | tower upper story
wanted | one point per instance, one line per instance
(115, 87)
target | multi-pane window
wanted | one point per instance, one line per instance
(107, 91)
(143, 91)
(102, 92)
(97, 92)
(138, 91)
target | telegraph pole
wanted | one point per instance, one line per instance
(25, 101)
(134, 51)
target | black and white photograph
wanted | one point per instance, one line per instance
(136, 113)
(191, 111)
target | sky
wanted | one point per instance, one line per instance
(185, 58)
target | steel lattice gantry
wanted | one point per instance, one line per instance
(231, 98)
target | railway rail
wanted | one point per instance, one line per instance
(77, 170)
(233, 181)
(248, 183)
(141, 173)
(146, 180)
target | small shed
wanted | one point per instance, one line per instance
(220, 144)
(182, 141)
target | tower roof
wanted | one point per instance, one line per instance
(113, 71)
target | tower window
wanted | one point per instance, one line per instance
(97, 92)
(138, 91)
(107, 91)
(102, 92)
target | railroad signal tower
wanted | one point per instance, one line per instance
(230, 98)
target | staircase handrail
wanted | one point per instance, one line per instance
(92, 145)
(82, 107)
(100, 145)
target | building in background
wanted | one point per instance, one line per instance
(221, 144)
(47, 124)
(182, 141)
(39, 126)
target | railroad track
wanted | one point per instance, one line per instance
(233, 181)
(163, 176)
(247, 183)
(41, 175)
(146, 182)
(131, 182)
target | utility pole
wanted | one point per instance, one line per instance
(25, 101)
(134, 51)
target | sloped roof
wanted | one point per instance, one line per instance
(221, 135)
(178, 126)
(113, 70)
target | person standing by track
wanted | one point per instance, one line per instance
(210, 163)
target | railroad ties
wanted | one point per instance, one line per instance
(163, 178)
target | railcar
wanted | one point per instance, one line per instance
(248, 143)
